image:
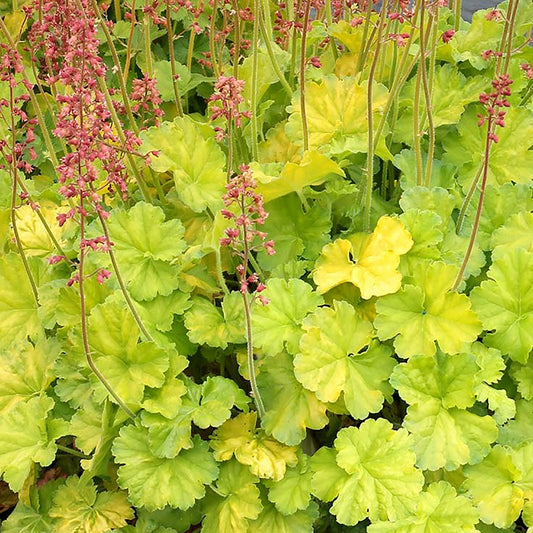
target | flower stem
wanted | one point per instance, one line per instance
(305, 128)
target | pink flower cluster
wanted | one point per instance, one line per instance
(250, 212)
(228, 97)
(495, 103)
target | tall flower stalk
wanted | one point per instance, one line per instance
(246, 213)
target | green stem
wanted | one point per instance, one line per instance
(468, 199)
(70, 451)
(250, 356)
(272, 57)
(122, 285)
(148, 42)
(255, 79)
(359, 65)
(130, 41)
(84, 332)
(477, 218)
(170, 33)
(332, 43)
(14, 174)
(370, 119)
(305, 128)
(457, 19)
(212, 49)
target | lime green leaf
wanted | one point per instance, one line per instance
(266, 457)
(189, 150)
(219, 395)
(26, 371)
(271, 519)
(235, 501)
(510, 159)
(290, 408)
(217, 327)
(18, 308)
(504, 303)
(451, 91)
(519, 430)
(337, 115)
(78, 507)
(25, 439)
(369, 262)
(442, 175)
(499, 484)
(293, 492)
(206, 405)
(500, 203)
(439, 509)
(186, 80)
(417, 316)
(25, 519)
(468, 43)
(32, 233)
(295, 233)
(502, 406)
(128, 366)
(523, 377)
(278, 324)
(144, 246)
(335, 358)
(439, 389)
(154, 482)
(159, 313)
(380, 480)
(517, 232)
(313, 169)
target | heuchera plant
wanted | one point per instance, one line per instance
(266, 266)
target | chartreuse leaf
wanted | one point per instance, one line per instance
(296, 234)
(26, 371)
(144, 246)
(312, 169)
(519, 430)
(368, 261)
(290, 408)
(154, 482)
(451, 91)
(428, 312)
(501, 484)
(266, 457)
(465, 149)
(234, 500)
(32, 233)
(160, 311)
(271, 519)
(206, 405)
(438, 390)
(167, 520)
(336, 357)
(25, 439)
(215, 326)
(523, 377)
(442, 175)
(293, 492)
(439, 509)
(492, 365)
(504, 303)
(500, 203)
(77, 506)
(472, 39)
(18, 308)
(278, 325)
(188, 149)
(517, 232)
(370, 473)
(127, 365)
(336, 112)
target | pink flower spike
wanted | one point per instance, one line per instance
(102, 276)
(54, 259)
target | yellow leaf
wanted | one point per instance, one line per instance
(369, 262)
(313, 169)
(266, 457)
